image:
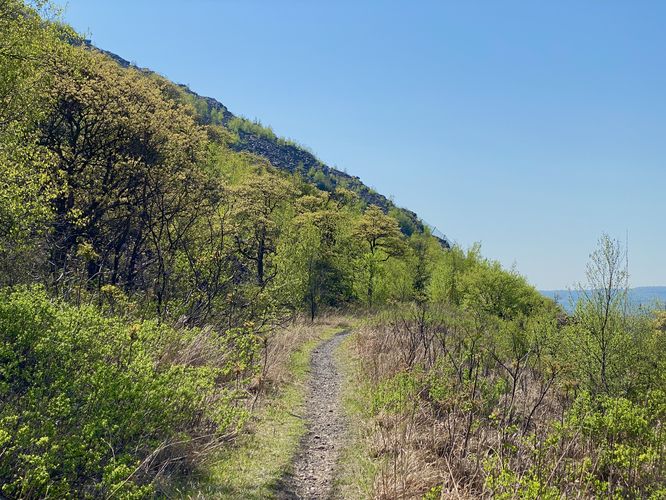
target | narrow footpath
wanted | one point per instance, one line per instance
(314, 466)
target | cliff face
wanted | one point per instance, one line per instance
(292, 158)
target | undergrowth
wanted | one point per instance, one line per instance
(263, 453)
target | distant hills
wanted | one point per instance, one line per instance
(646, 296)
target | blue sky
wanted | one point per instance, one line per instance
(531, 127)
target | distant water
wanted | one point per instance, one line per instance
(646, 296)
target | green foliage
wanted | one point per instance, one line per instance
(619, 447)
(25, 192)
(319, 179)
(166, 258)
(381, 240)
(396, 394)
(259, 460)
(202, 109)
(27, 46)
(406, 223)
(242, 125)
(125, 196)
(93, 406)
(506, 484)
(601, 334)
(446, 282)
(125, 170)
(493, 291)
(433, 493)
(527, 401)
(628, 437)
(315, 247)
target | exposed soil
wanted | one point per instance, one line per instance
(312, 475)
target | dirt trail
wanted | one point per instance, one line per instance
(312, 476)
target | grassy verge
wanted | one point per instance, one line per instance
(253, 467)
(356, 470)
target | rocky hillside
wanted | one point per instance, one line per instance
(291, 157)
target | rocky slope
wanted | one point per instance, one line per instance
(292, 158)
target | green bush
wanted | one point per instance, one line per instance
(628, 441)
(606, 447)
(93, 406)
(239, 124)
(396, 394)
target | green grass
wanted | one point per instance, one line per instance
(356, 469)
(254, 466)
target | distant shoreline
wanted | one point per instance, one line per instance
(638, 296)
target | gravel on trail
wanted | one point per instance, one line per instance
(315, 463)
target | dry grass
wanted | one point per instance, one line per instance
(450, 418)
(281, 346)
(427, 448)
(252, 467)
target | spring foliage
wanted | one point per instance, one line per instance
(489, 390)
(93, 405)
(145, 263)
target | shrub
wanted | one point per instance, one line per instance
(626, 441)
(396, 394)
(93, 406)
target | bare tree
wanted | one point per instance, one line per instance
(602, 310)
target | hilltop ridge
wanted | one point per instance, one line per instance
(287, 155)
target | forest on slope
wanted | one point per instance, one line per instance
(148, 264)
(284, 154)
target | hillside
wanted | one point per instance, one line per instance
(252, 137)
(192, 307)
(153, 250)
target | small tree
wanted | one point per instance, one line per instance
(601, 314)
(313, 255)
(257, 220)
(382, 240)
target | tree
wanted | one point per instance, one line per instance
(488, 289)
(27, 47)
(446, 284)
(381, 238)
(257, 223)
(314, 254)
(601, 314)
(328, 281)
(125, 164)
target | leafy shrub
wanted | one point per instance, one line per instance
(606, 447)
(626, 441)
(396, 394)
(506, 484)
(93, 406)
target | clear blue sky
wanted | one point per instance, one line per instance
(531, 127)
